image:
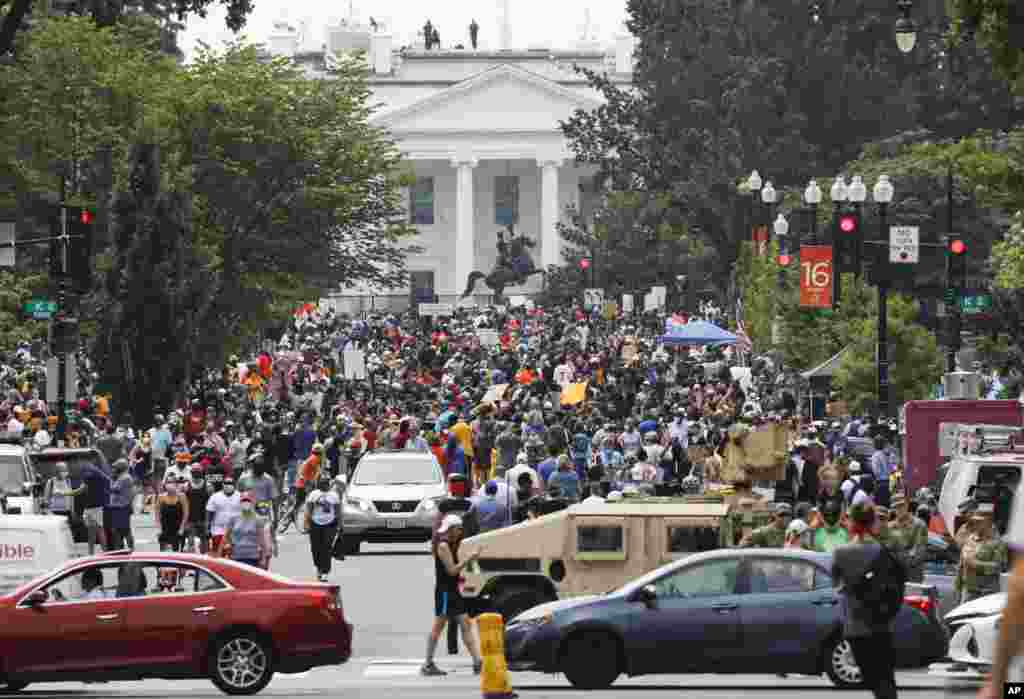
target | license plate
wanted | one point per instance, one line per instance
(395, 524)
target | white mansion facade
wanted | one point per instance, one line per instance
(481, 130)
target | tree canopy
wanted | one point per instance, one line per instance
(239, 188)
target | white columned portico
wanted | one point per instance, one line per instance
(465, 236)
(551, 254)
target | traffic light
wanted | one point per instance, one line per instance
(584, 264)
(848, 242)
(81, 228)
(956, 283)
(784, 259)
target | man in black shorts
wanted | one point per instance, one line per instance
(448, 602)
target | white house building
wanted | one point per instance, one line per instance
(481, 129)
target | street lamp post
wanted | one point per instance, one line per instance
(882, 194)
(812, 197)
(768, 197)
(754, 190)
(837, 194)
(781, 229)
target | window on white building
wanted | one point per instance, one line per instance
(506, 200)
(421, 202)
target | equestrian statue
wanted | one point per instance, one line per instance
(514, 265)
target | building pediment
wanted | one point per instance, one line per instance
(504, 98)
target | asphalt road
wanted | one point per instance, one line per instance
(388, 596)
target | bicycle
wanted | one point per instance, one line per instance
(294, 515)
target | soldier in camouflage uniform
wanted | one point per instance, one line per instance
(771, 536)
(982, 559)
(908, 538)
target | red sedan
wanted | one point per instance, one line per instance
(124, 616)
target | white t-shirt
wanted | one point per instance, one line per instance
(513, 476)
(15, 425)
(323, 504)
(224, 507)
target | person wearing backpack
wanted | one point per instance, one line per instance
(872, 581)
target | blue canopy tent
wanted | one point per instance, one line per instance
(698, 332)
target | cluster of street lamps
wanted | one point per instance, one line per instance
(846, 237)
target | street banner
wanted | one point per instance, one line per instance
(816, 276)
(355, 364)
(488, 338)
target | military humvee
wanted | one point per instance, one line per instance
(590, 548)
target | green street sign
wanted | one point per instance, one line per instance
(40, 309)
(976, 304)
(40, 306)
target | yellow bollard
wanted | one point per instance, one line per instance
(494, 683)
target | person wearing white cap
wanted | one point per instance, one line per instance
(794, 532)
(448, 601)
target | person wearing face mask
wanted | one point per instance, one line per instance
(247, 538)
(323, 513)
(831, 535)
(172, 516)
(196, 536)
(220, 509)
(58, 494)
(122, 494)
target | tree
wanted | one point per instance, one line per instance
(275, 188)
(915, 364)
(159, 281)
(107, 13)
(721, 88)
(15, 289)
(997, 25)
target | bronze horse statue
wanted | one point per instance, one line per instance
(514, 265)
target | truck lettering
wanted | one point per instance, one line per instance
(17, 552)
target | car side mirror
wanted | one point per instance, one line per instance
(648, 595)
(37, 598)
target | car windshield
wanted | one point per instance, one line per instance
(12, 473)
(384, 471)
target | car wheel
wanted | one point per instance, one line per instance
(350, 545)
(591, 660)
(840, 665)
(12, 687)
(242, 664)
(513, 601)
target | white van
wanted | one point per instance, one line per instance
(31, 545)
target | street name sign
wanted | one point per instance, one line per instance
(40, 309)
(816, 276)
(904, 244)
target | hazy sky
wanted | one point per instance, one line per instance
(555, 22)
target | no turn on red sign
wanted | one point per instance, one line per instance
(904, 244)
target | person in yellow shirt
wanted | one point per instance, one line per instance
(102, 405)
(464, 433)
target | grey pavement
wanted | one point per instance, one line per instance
(387, 592)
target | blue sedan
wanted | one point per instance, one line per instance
(726, 611)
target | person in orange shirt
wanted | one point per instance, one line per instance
(309, 472)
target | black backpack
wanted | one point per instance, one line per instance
(882, 586)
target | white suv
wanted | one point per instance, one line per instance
(392, 497)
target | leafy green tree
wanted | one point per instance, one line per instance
(15, 15)
(996, 24)
(15, 289)
(915, 364)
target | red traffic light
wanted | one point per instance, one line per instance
(86, 216)
(847, 224)
(957, 247)
(584, 264)
(784, 260)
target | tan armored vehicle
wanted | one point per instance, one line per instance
(590, 548)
